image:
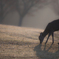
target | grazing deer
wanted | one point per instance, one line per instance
(50, 29)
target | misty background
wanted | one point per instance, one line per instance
(28, 13)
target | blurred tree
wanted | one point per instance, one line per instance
(5, 7)
(22, 6)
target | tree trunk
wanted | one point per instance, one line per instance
(20, 21)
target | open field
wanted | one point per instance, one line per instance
(23, 43)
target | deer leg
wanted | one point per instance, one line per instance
(48, 38)
(52, 38)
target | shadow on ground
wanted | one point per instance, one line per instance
(45, 52)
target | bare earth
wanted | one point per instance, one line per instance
(23, 43)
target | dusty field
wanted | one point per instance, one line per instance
(23, 43)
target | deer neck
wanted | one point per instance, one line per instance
(44, 33)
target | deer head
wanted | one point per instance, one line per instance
(41, 38)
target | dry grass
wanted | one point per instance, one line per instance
(23, 43)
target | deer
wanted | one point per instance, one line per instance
(49, 30)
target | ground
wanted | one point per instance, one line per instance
(23, 43)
